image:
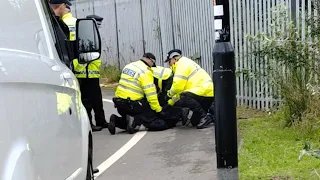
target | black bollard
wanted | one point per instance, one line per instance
(224, 77)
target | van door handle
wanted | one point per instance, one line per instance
(67, 75)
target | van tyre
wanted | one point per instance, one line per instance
(90, 172)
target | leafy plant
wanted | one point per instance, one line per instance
(111, 73)
(288, 62)
(309, 151)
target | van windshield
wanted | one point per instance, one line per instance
(20, 26)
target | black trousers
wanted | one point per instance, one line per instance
(143, 114)
(198, 104)
(91, 97)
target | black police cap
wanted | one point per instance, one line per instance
(149, 56)
(67, 2)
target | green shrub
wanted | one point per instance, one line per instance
(111, 73)
(289, 64)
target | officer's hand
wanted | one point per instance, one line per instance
(166, 98)
(169, 94)
(161, 114)
(166, 106)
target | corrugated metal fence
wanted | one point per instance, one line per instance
(132, 27)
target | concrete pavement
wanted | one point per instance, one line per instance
(180, 153)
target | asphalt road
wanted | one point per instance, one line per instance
(180, 153)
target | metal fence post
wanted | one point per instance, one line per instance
(225, 95)
(117, 33)
(294, 11)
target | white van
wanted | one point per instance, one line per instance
(45, 133)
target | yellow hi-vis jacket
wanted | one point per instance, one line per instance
(70, 21)
(88, 70)
(161, 73)
(190, 77)
(136, 82)
(174, 99)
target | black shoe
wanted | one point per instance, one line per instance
(112, 124)
(184, 116)
(204, 122)
(95, 170)
(212, 117)
(130, 124)
(96, 128)
(105, 125)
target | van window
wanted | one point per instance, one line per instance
(20, 27)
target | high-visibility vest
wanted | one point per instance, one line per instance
(87, 70)
(136, 82)
(70, 21)
(161, 74)
(190, 77)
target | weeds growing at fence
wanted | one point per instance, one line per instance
(290, 68)
(110, 74)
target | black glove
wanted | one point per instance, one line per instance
(162, 114)
(166, 98)
(165, 107)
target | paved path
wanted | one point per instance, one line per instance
(184, 153)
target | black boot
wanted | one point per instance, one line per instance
(185, 114)
(95, 170)
(204, 122)
(96, 128)
(105, 125)
(130, 124)
(112, 124)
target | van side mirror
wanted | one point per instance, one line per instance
(88, 41)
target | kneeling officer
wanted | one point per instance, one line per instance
(136, 98)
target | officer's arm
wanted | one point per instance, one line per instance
(150, 91)
(174, 99)
(72, 30)
(179, 81)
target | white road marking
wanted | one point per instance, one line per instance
(121, 152)
(75, 174)
(107, 100)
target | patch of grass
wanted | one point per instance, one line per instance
(270, 150)
(246, 112)
(110, 76)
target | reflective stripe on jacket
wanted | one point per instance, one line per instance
(91, 70)
(70, 21)
(81, 71)
(189, 76)
(136, 82)
(161, 73)
(174, 99)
